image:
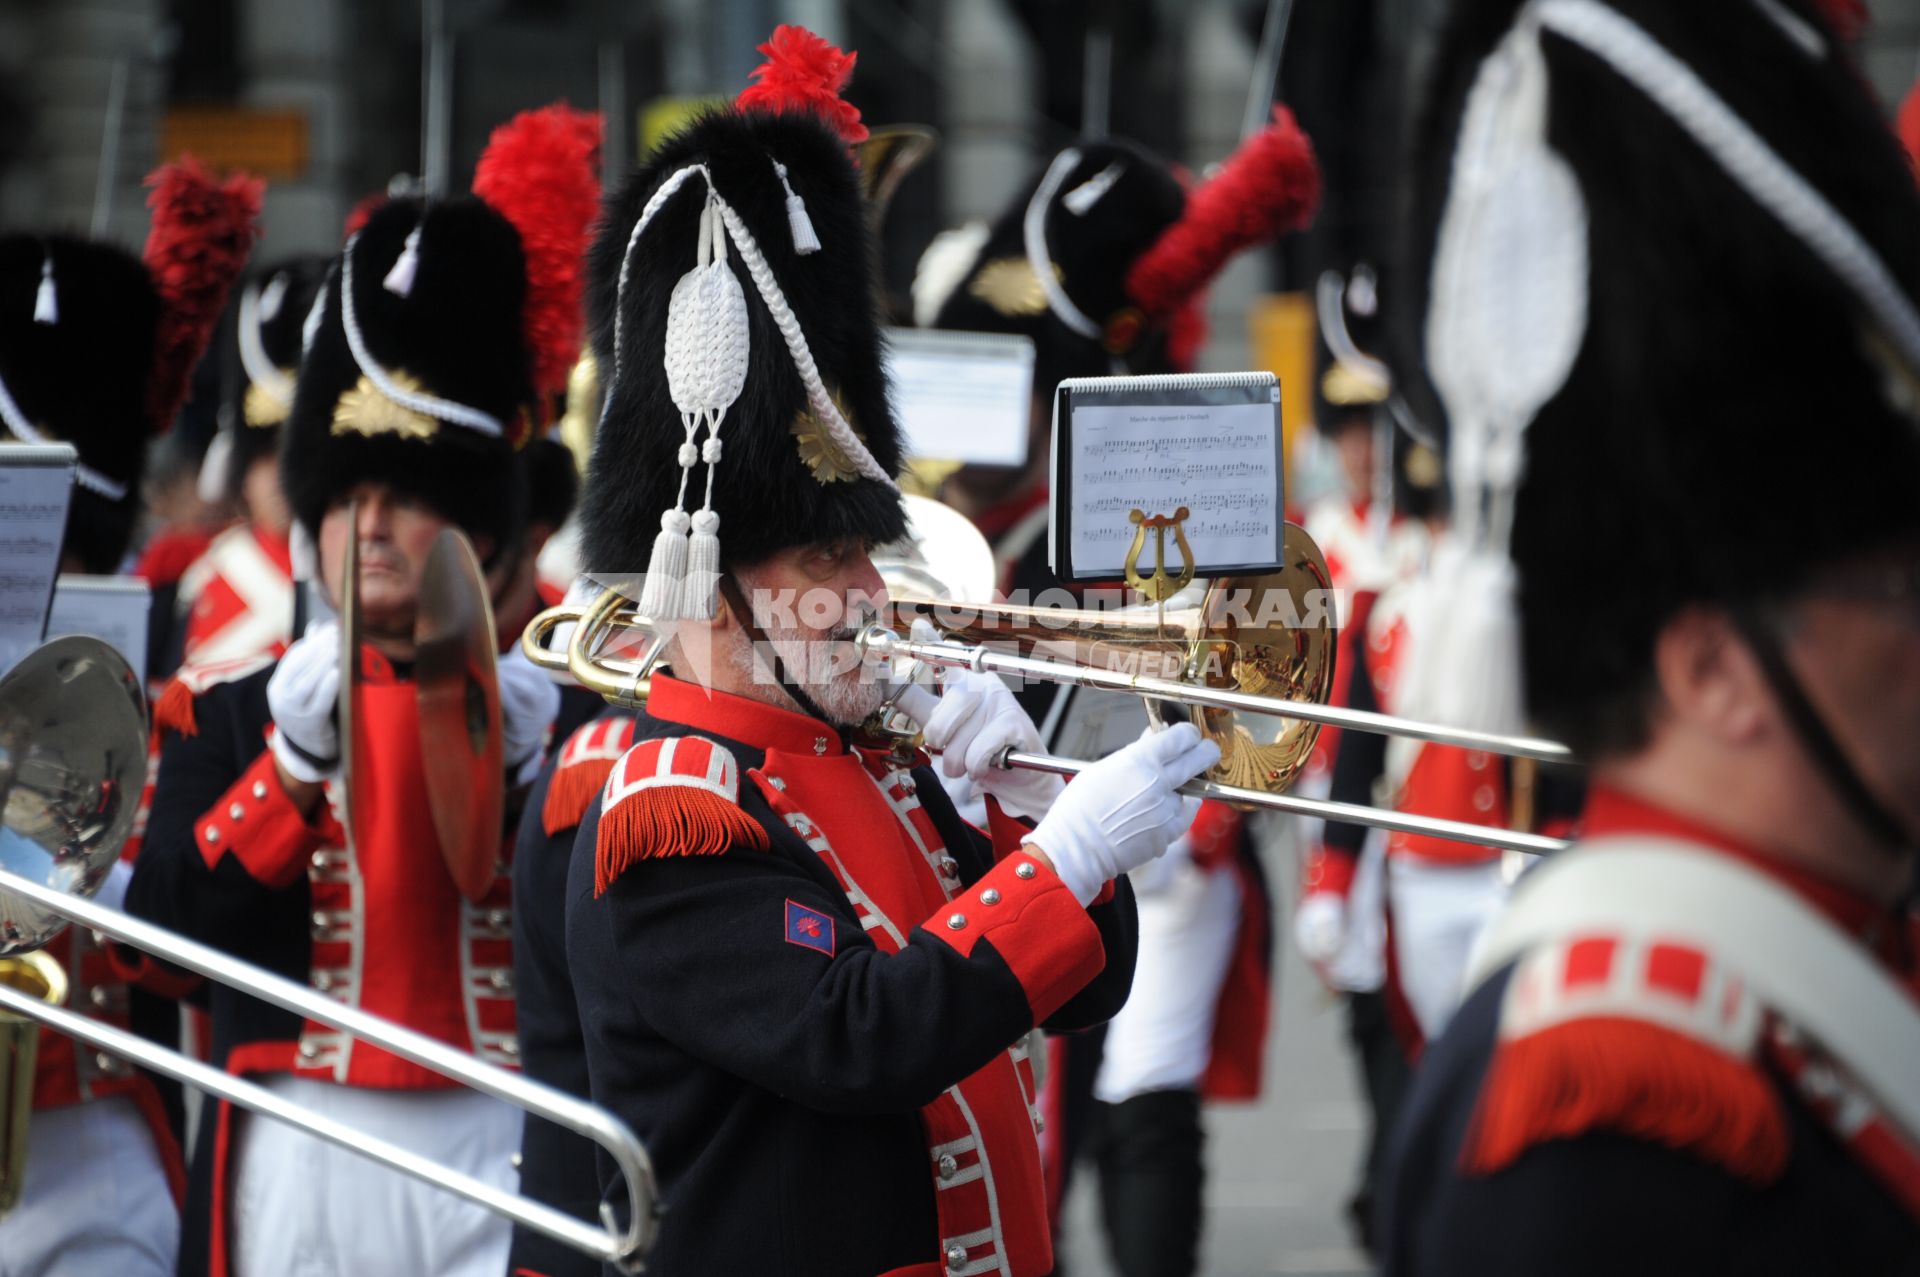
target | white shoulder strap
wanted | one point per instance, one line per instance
(1799, 965)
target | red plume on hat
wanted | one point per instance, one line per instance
(804, 73)
(541, 172)
(1270, 186)
(203, 230)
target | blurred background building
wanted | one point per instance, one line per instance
(334, 99)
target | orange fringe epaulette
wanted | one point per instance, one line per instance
(679, 796)
(1667, 1055)
(173, 711)
(581, 772)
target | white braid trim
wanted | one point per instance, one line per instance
(427, 405)
(85, 475)
(783, 317)
(1033, 229)
(261, 370)
(776, 302)
(1744, 156)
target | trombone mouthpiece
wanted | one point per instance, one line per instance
(877, 644)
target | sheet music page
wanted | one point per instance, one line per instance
(36, 486)
(1221, 461)
(111, 608)
(962, 396)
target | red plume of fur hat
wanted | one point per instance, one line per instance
(541, 172)
(804, 73)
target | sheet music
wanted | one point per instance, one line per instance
(962, 396)
(36, 486)
(111, 608)
(1219, 460)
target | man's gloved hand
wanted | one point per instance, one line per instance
(1123, 811)
(301, 696)
(529, 701)
(977, 720)
(1320, 919)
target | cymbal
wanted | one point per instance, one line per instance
(458, 689)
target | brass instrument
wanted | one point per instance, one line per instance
(34, 975)
(73, 760)
(1246, 652)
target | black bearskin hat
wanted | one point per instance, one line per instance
(1714, 405)
(82, 379)
(786, 479)
(552, 482)
(96, 346)
(455, 336)
(269, 323)
(1131, 248)
(465, 315)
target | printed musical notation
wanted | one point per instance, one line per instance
(1220, 461)
(36, 484)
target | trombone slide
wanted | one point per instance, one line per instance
(622, 1249)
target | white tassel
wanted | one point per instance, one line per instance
(46, 306)
(804, 239)
(702, 595)
(399, 280)
(660, 599)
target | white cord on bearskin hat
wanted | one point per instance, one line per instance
(427, 405)
(706, 361)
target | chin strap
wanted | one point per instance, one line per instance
(1805, 722)
(730, 591)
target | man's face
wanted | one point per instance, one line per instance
(812, 602)
(396, 532)
(1355, 446)
(1854, 641)
(260, 489)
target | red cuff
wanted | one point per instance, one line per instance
(1327, 871)
(1009, 834)
(1034, 924)
(133, 966)
(258, 824)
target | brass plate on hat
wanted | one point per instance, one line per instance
(362, 409)
(457, 685)
(1009, 285)
(822, 455)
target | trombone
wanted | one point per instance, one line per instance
(72, 759)
(1223, 665)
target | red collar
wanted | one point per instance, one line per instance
(997, 521)
(1612, 811)
(751, 722)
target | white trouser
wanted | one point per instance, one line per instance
(96, 1198)
(1189, 924)
(305, 1208)
(1439, 911)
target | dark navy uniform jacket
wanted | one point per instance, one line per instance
(787, 1042)
(1643, 1156)
(556, 1166)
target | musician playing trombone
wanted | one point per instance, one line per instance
(803, 979)
(1674, 319)
(410, 413)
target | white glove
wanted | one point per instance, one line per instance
(1122, 811)
(1320, 926)
(979, 719)
(301, 696)
(529, 702)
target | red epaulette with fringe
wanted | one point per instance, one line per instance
(585, 762)
(677, 796)
(1647, 1039)
(173, 710)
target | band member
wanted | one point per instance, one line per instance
(1130, 249)
(237, 600)
(1660, 240)
(801, 976)
(95, 347)
(411, 407)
